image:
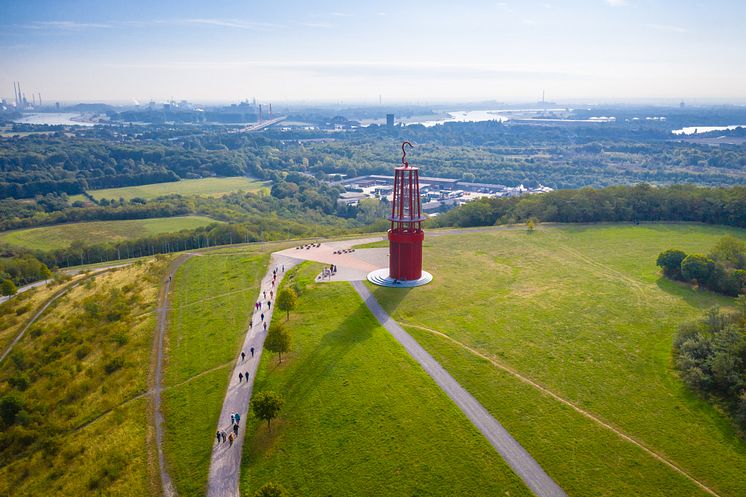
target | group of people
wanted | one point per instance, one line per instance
(330, 271)
(230, 437)
(344, 251)
(222, 436)
(308, 246)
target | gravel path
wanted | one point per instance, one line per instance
(512, 452)
(225, 465)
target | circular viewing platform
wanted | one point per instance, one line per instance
(381, 277)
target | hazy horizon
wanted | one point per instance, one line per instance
(604, 51)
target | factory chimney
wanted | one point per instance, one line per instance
(270, 110)
(260, 113)
(39, 99)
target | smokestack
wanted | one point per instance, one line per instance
(270, 110)
(260, 112)
(15, 93)
(33, 99)
(39, 99)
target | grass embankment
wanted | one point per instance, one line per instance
(212, 300)
(17, 311)
(584, 312)
(206, 187)
(63, 235)
(361, 417)
(78, 373)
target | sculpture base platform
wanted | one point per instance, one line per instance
(381, 277)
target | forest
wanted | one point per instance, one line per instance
(558, 156)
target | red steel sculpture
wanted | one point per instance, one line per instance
(406, 235)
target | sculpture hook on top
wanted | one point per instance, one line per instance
(404, 153)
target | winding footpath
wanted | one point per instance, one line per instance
(512, 452)
(225, 463)
(156, 373)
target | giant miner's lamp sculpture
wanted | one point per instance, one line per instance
(405, 234)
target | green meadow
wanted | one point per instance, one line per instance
(360, 416)
(584, 313)
(211, 302)
(206, 187)
(63, 235)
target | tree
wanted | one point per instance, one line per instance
(278, 339)
(10, 406)
(530, 225)
(271, 490)
(697, 267)
(670, 262)
(267, 406)
(7, 287)
(286, 301)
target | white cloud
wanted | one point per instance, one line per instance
(617, 3)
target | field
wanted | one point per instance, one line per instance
(80, 374)
(62, 235)
(583, 313)
(361, 417)
(212, 299)
(207, 187)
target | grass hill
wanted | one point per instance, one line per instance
(361, 417)
(583, 313)
(63, 235)
(79, 376)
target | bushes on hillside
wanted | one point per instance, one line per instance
(722, 271)
(710, 355)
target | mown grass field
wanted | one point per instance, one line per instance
(63, 235)
(361, 417)
(80, 373)
(212, 300)
(206, 187)
(583, 312)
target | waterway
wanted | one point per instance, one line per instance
(691, 130)
(55, 119)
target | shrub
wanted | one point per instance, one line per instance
(670, 262)
(113, 365)
(270, 489)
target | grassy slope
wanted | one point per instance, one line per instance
(583, 311)
(62, 235)
(207, 187)
(361, 417)
(16, 312)
(212, 300)
(86, 429)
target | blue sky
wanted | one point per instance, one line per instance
(419, 51)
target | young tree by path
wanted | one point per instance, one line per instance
(267, 406)
(8, 288)
(286, 300)
(278, 339)
(270, 489)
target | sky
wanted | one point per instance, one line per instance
(357, 52)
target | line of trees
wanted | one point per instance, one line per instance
(723, 270)
(613, 204)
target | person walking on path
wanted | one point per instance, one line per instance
(243, 354)
(231, 438)
(240, 377)
(225, 437)
(237, 417)
(265, 326)
(262, 317)
(232, 418)
(247, 376)
(218, 435)
(235, 429)
(252, 351)
(269, 304)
